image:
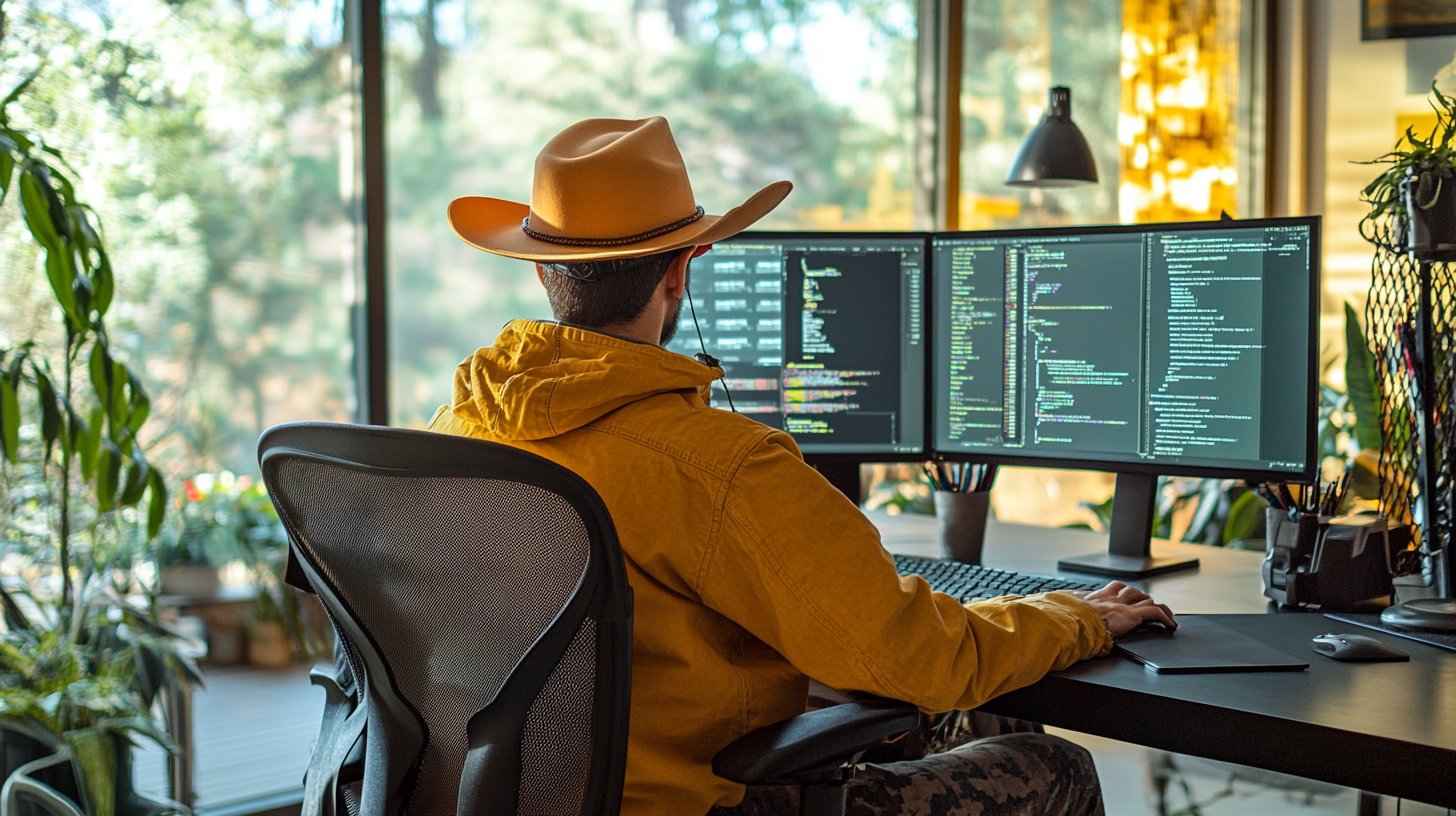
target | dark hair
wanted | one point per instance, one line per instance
(609, 300)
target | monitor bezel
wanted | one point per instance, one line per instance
(1311, 457)
(924, 454)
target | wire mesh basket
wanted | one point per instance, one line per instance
(1414, 367)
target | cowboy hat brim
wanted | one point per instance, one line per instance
(494, 225)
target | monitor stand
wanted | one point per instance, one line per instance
(1130, 542)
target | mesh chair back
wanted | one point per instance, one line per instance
(481, 597)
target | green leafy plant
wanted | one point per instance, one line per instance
(1430, 161)
(89, 439)
(88, 687)
(79, 660)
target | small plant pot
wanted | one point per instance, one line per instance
(189, 580)
(268, 644)
(1431, 229)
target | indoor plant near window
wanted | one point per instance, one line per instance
(228, 518)
(1417, 190)
(81, 661)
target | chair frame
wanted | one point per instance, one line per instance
(490, 782)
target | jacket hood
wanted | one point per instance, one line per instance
(543, 379)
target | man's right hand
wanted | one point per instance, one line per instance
(1124, 608)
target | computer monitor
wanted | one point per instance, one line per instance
(1177, 349)
(821, 335)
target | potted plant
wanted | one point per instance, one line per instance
(81, 659)
(188, 553)
(284, 624)
(1415, 191)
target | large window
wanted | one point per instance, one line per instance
(820, 92)
(208, 135)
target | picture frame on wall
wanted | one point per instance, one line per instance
(1405, 19)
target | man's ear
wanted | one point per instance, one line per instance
(675, 281)
(541, 275)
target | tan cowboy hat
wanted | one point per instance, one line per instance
(605, 188)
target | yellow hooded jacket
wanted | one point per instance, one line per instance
(751, 572)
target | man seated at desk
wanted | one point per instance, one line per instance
(751, 573)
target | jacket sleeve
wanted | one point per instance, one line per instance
(801, 568)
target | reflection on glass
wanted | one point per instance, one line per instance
(818, 92)
(208, 136)
(1014, 51)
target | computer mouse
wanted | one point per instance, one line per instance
(1362, 648)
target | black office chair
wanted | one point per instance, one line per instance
(485, 623)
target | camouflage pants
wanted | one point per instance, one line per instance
(963, 764)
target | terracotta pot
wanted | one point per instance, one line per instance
(268, 644)
(227, 644)
(192, 581)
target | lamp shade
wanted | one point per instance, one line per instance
(1055, 154)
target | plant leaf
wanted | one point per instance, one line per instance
(108, 473)
(17, 91)
(157, 506)
(9, 421)
(93, 759)
(7, 169)
(141, 404)
(151, 671)
(105, 281)
(137, 473)
(99, 366)
(90, 446)
(15, 619)
(50, 411)
(1243, 517)
(1360, 383)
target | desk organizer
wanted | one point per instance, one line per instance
(1333, 563)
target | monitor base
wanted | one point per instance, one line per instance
(1429, 614)
(1125, 566)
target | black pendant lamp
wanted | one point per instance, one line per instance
(1055, 154)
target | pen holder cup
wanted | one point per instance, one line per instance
(962, 520)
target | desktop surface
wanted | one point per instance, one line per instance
(1386, 728)
(1353, 724)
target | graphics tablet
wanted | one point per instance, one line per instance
(1200, 645)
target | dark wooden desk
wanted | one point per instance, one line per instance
(1387, 728)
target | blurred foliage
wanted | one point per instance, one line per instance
(224, 518)
(210, 135)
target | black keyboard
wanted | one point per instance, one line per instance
(965, 582)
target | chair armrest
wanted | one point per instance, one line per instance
(326, 676)
(802, 749)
